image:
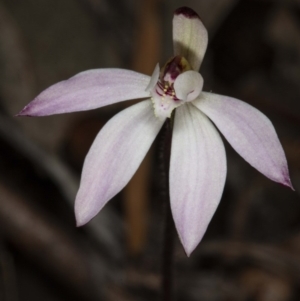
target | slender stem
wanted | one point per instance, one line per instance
(167, 259)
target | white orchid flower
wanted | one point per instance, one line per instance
(198, 162)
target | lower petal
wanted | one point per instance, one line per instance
(114, 157)
(197, 174)
(249, 132)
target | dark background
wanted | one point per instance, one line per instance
(251, 251)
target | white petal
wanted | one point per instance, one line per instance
(249, 132)
(188, 85)
(197, 174)
(89, 90)
(154, 78)
(114, 157)
(189, 36)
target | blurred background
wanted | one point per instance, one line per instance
(251, 251)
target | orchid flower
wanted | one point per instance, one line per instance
(198, 161)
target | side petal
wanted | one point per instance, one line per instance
(114, 157)
(89, 90)
(197, 174)
(249, 132)
(188, 85)
(189, 36)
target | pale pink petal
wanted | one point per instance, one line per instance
(188, 85)
(197, 174)
(114, 157)
(89, 90)
(189, 36)
(249, 132)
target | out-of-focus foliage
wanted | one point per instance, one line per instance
(252, 248)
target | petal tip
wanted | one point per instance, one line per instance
(189, 243)
(189, 249)
(82, 214)
(284, 178)
(23, 112)
(80, 218)
(287, 182)
(29, 111)
(188, 252)
(79, 224)
(187, 12)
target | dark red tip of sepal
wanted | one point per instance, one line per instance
(187, 12)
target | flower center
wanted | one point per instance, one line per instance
(174, 85)
(165, 90)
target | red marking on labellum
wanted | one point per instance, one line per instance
(166, 89)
